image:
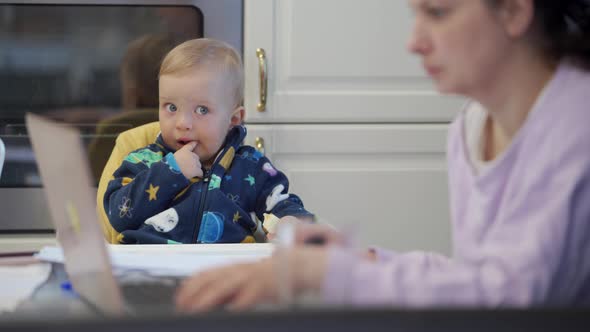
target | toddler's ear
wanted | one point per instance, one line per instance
(237, 116)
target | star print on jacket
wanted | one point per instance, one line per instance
(236, 216)
(153, 191)
(250, 179)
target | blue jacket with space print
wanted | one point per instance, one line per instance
(151, 201)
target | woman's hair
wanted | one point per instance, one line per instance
(208, 53)
(561, 29)
(139, 69)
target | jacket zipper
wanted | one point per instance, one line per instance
(202, 200)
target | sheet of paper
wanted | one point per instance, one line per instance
(249, 249)
(177, 260)
(18, 283)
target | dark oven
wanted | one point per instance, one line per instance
(92, 64)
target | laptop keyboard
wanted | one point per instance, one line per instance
(150, 293)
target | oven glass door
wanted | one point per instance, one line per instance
(92, 66)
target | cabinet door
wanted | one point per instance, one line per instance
(337, 61)
(387, 181)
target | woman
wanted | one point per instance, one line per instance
(519, 174)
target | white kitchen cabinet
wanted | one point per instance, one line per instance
(350, 116)
(25, 242)
(337, 61)
(388, 181)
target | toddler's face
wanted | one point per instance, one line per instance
(196, 106)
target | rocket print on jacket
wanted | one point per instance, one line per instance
(145, 156)
(268, 168)
(275, 197)
(212, 226)
(164, 221)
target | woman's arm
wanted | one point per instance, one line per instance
(535, 255)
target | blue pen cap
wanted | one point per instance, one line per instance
(66, 285)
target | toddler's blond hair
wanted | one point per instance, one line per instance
(210, 53)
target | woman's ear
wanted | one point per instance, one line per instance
(237, 116)
(517, 16)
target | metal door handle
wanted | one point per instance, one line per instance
(259, 144)
(263, 77)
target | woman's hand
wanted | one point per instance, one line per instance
(242, 286)
(234, 287)
(329, 236)
(306, 233)
(292, 220)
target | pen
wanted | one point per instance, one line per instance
(316, 240)
(66, 286)
(17, 253)
(18, 258)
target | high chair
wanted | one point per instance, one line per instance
(127, 141)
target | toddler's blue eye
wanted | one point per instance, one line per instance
(202, 110)
(171, 108)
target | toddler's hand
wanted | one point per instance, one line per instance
(188, 161)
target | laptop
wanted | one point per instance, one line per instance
(66, 177)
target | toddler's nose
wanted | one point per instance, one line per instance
(184, 121)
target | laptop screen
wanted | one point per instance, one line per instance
(70, 196)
